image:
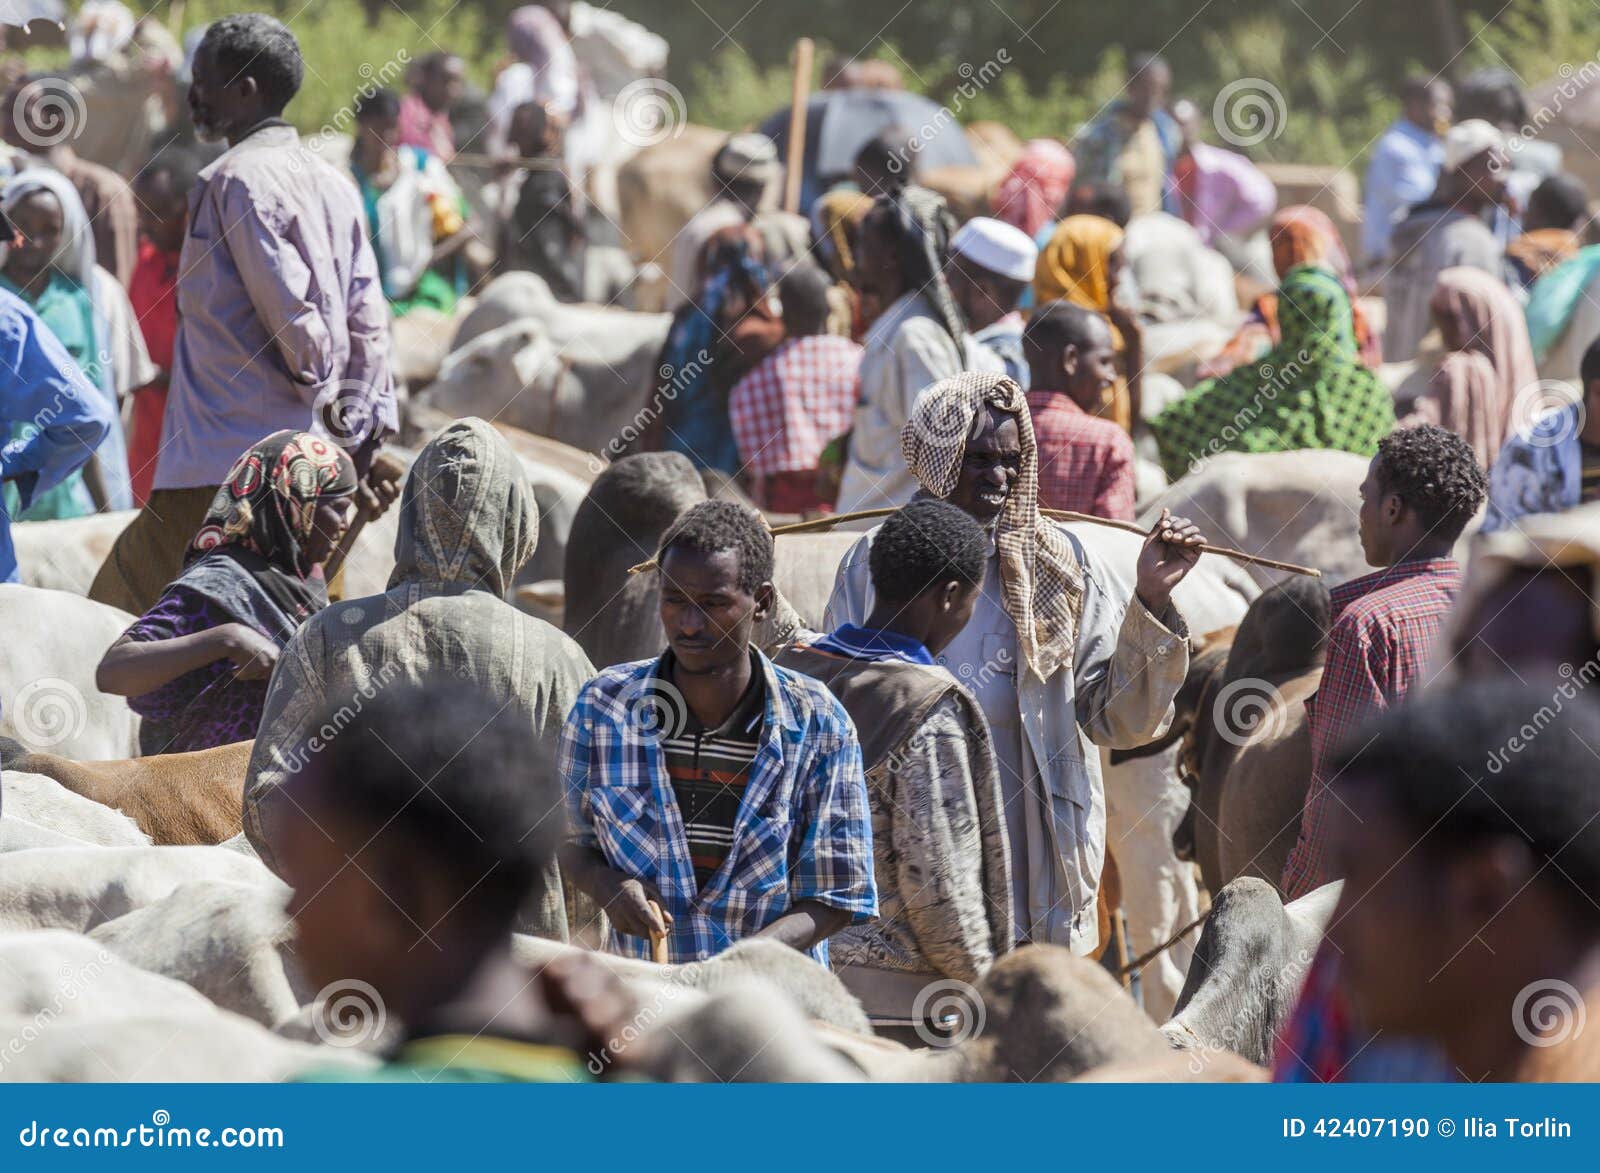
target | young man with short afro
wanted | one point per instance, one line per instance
(939, 834)
(1421, 490)
(713, 795)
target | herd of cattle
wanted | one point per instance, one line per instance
(141, 939)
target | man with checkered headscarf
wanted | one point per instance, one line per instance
(1060, 658)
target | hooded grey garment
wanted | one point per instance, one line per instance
(468, 522)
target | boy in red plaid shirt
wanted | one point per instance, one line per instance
(1421, 490)
(1085, 463)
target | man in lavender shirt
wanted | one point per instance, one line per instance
(282, 321)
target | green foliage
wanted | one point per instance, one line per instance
(1535, 38)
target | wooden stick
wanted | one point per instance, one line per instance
(804, 54)
(833, 519)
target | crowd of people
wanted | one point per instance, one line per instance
(916, 789)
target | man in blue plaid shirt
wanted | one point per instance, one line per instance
(713, 795)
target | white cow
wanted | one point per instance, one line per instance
(1296, 507)
(48, 700)
(82, 888)
(45, 804)
(580, 374)
(66, 555)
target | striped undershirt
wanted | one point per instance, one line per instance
(709, 768)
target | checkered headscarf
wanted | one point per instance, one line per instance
(1041, 583)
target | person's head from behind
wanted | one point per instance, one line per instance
(1537, 622)
(377, 122)
(247, 69)
(1464, 825)
(41, 224)
(803, 293)
(715, 566)
(537, 131)
(467, 512)
(927, 563)
(1420, 492)
(1427, 102)
(1149, 83)
(162, 188)
(1108, 201)
(1494, 95)
(885, 163)
(1070, 349)
(412, 832)
(745, 169)
(440, 79)
(1560, 201)
(991, 264)
(1476, 164)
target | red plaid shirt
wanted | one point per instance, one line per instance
(796, 399)
(1384, 627)
(1085, 464)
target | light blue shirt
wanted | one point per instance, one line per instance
(61, 416)
(1403, 171)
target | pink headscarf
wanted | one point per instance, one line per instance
(1474, 389)
(1032, 194)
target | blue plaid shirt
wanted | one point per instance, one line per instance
(804, 831)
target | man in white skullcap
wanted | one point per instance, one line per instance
(1450, 228)
(743, 173)
(991, 263)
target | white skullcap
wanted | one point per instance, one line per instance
(997, 246)
(1467, 140)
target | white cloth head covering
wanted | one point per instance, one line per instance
(998, 247)
(1041, 583)
(1467, 140)
(752, 157)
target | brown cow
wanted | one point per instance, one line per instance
(178, 799)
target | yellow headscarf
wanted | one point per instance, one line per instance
(1076, 267)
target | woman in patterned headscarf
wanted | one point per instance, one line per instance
(1083, 264)
(1300, 235)
(1057, 656)
(195, 666)
(1031, 196)
(1309, 391)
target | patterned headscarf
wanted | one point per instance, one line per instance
(1041, 583)
(1303, 235)
(1031, 196)
(1076, 265)
(263, 514)
(923, 220)
(1308, 391)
